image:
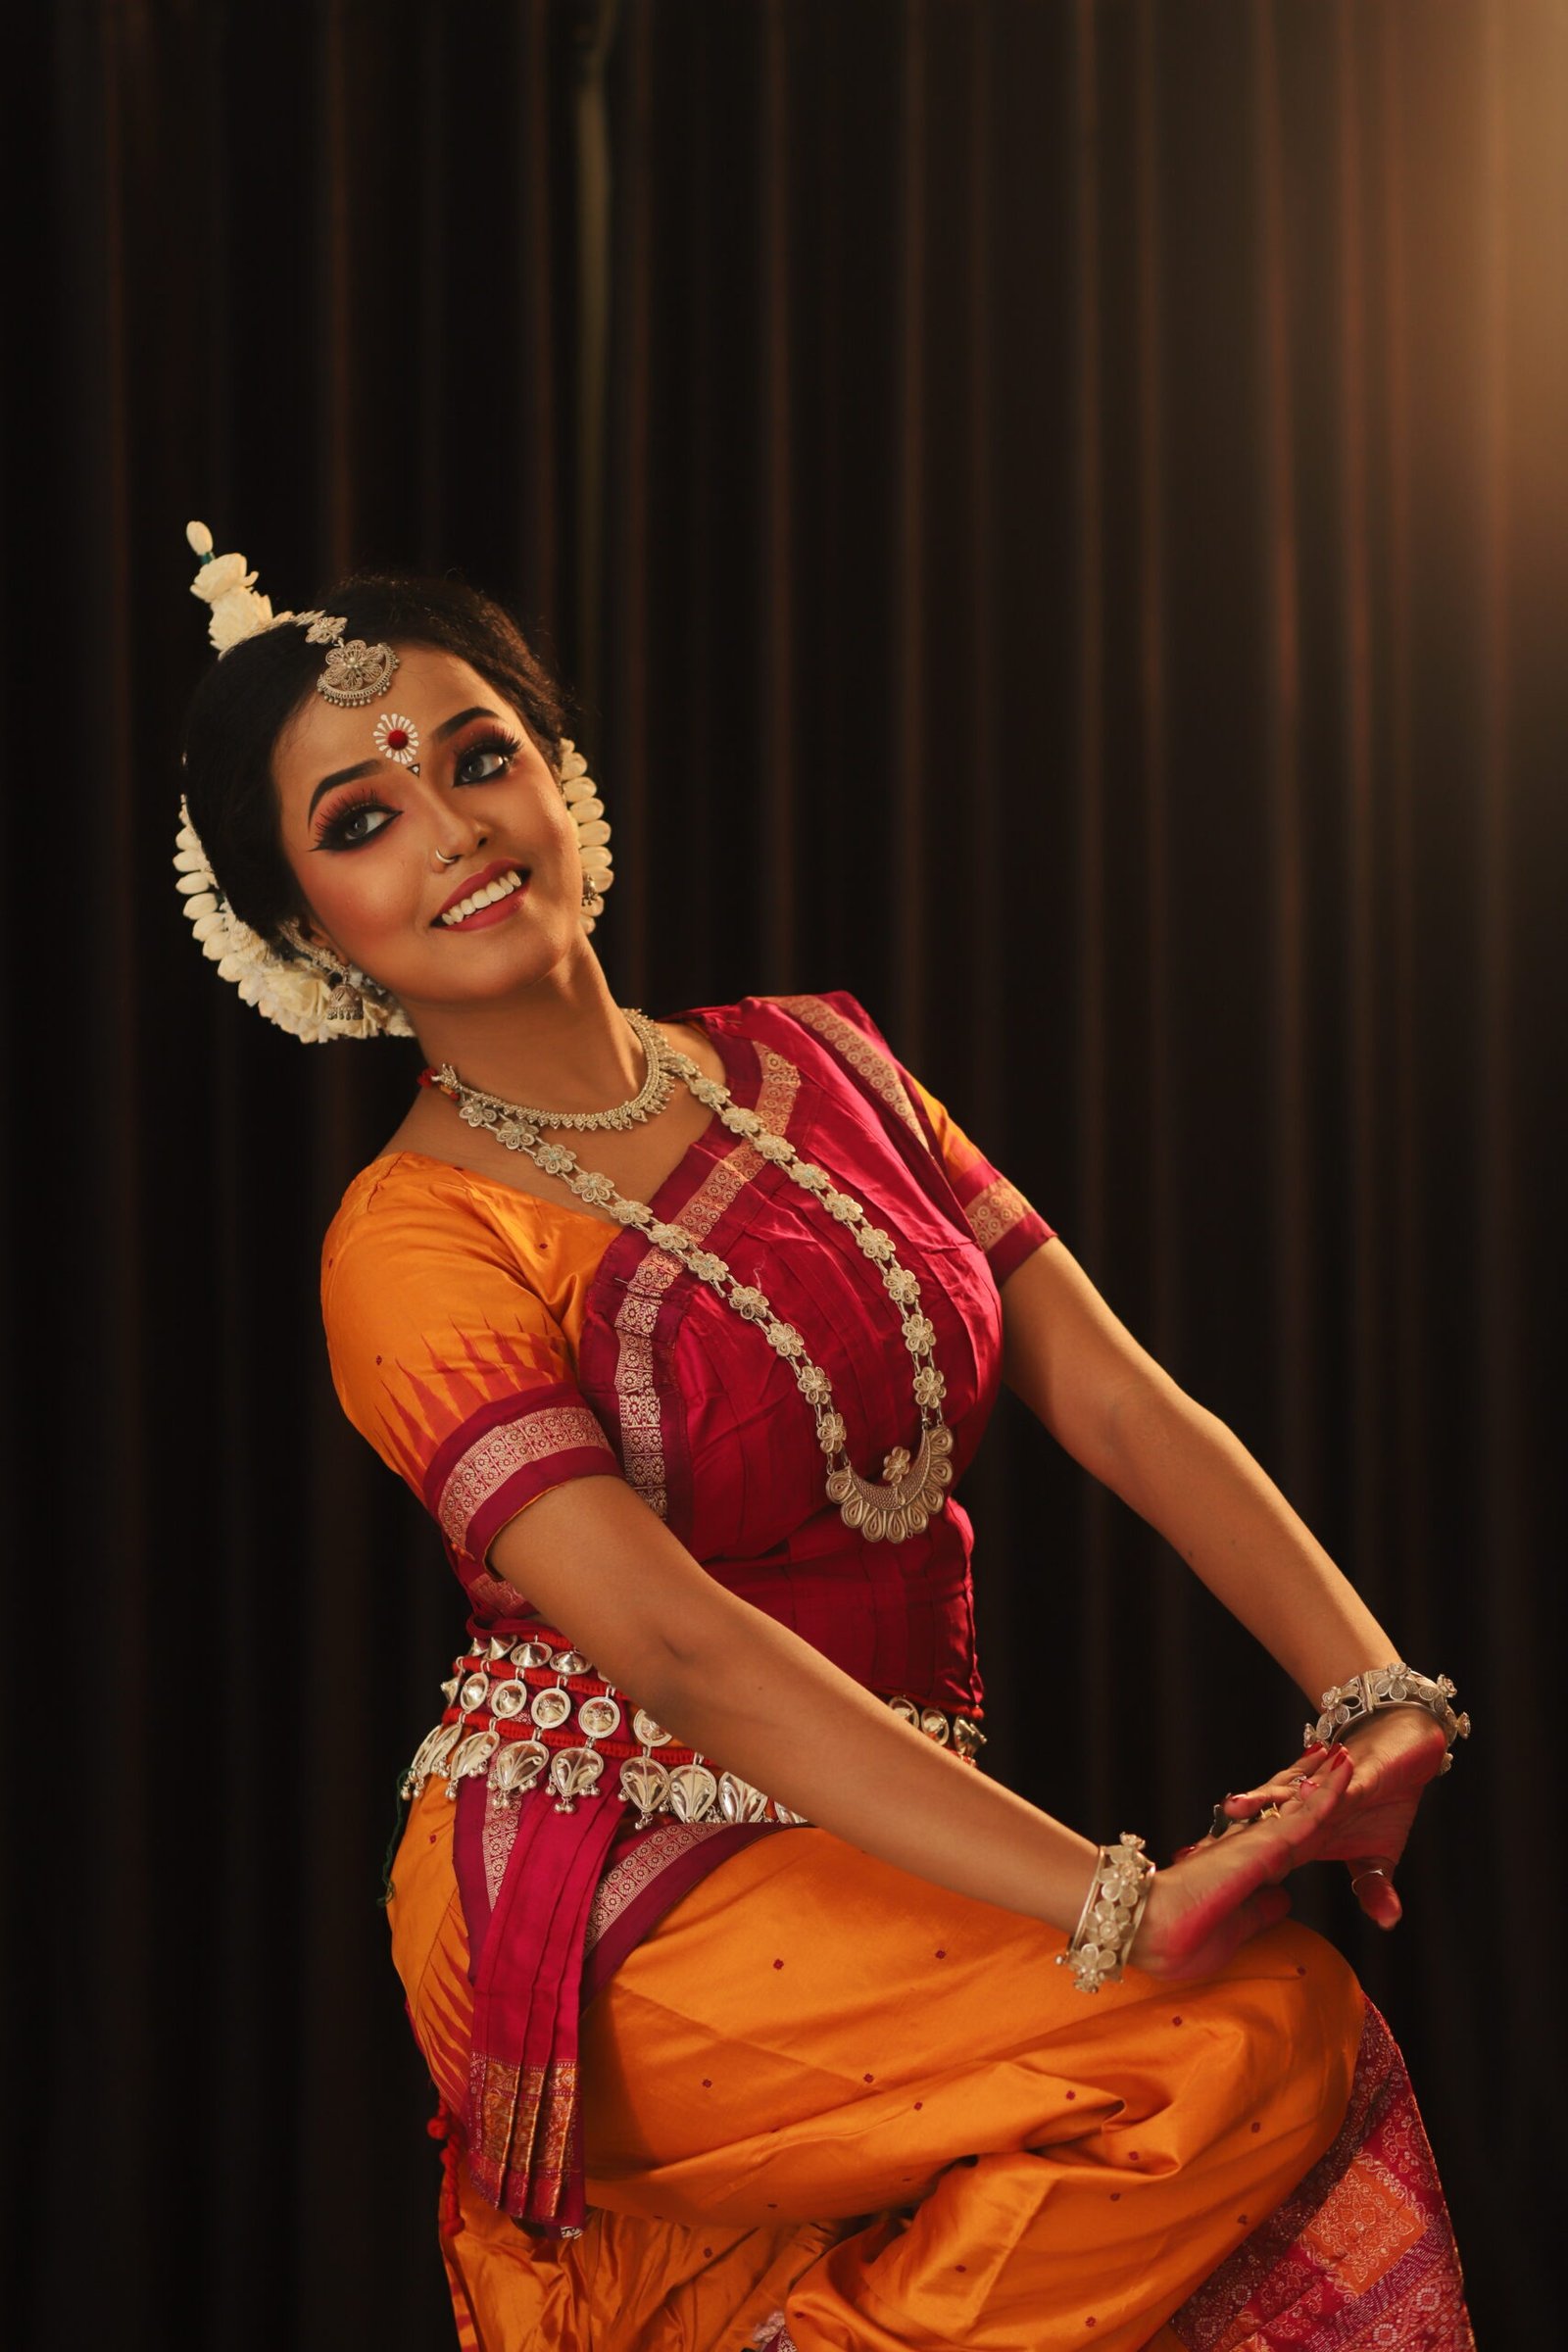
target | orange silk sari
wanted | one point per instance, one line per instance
(830, 2105)
(812, 2101)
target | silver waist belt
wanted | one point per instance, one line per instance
(527, 1714)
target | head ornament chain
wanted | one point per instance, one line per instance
(304, 988)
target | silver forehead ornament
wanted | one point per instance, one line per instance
(355, 672)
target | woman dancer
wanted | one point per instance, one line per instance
(756, 2013)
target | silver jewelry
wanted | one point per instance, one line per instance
(1395, 1684)
(1369, 1874)
(651, 1097)
(1222, 1826)
(1100, 1944)
(356, 672)
(445, 861)
(911, 1490)
(350, 993)
(519, 1734)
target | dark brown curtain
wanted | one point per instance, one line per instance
(1055, 517)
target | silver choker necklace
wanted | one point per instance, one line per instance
(911, 1490)
(648, 1099)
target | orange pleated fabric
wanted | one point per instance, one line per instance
(826, 2092)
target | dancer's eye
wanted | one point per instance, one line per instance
(339, 832)
(498, 746)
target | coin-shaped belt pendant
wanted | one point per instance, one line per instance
(550, 1707)
(598, 1717)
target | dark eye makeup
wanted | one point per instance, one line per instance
(338, 832)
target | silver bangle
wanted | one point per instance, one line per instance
(1382, 1687)
(1101, 1943)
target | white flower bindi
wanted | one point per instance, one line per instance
(397, 739)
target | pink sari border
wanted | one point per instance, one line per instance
(1361, 2257)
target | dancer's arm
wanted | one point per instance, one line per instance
(1105, 1399)
(1119, 1412)
(751, 1695)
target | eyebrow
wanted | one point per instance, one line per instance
(372, 768)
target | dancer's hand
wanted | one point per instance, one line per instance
(1395, 1756)
(1221, 1891)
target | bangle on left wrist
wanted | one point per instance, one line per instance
(1379, 1688)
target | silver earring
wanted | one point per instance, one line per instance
(350, 986)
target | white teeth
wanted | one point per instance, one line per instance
(501, 888)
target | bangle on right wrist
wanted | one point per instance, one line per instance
(1101, 1943)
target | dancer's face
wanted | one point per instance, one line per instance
(362, 832)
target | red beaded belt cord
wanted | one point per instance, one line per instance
(530, 1713)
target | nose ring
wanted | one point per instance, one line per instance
(452, 860)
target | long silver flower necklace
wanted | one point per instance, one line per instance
(911, 1490)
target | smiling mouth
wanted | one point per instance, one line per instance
(504, 886)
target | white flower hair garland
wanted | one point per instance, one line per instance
(309, 991)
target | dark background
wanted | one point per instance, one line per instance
(1053, 514)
